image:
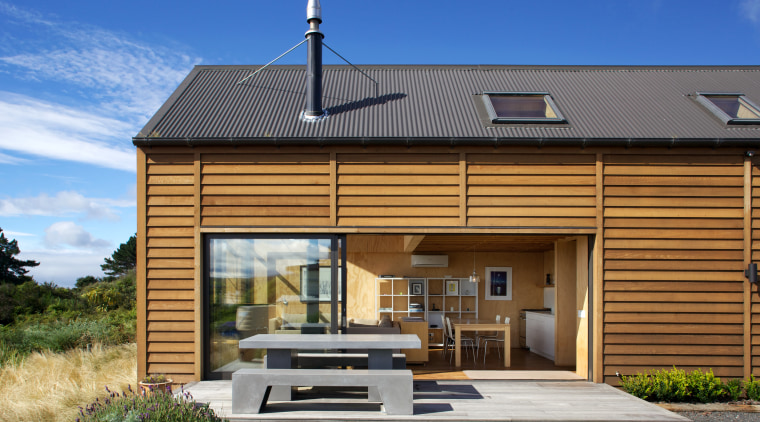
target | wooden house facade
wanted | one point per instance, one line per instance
(631, 185)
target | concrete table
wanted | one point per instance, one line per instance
(282, 349)
(472, 324)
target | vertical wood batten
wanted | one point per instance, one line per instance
(462, 189)
(752, 293)
(598, 307)
(333, 189)
(142, 257)
(198, 267)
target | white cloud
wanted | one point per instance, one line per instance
(126, 76)
(51, 130)
(10, 234)
(7, 159)
(23, 15)
(750, 9)
(64, 203)
(67, 233)
(65, 267)
(116, 83)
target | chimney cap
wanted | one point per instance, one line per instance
(314, 11)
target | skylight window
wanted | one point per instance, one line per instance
(522, 107)
(731, 108)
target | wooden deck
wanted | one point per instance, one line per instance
(533, 389)
(461, 400)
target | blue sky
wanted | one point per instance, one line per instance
(79, 78)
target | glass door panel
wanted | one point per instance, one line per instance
(257, 285)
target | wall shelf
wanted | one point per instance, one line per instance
(393, 298)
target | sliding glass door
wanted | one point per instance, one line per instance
(255, 284)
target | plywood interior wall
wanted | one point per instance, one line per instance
(371, 255)
(565, 322)
(581, 304)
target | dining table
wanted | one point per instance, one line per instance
(478, 324)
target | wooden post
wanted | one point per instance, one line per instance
(747, 260)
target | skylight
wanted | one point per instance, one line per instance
(731, 108)
(522, 107)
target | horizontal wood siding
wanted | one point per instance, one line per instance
(170, 261)
(673, 240)
(754, 296)
(244, 189)
(520, 190)
(398, 190)
(673, 250)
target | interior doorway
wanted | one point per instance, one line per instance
(550, 278)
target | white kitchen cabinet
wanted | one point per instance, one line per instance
(539, 333)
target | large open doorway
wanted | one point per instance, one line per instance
(548, 306)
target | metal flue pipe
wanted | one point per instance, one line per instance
(314, 62)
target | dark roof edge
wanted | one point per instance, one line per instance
(537, 142)
(490, 66)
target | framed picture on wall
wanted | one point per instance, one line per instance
(498, 283)
(416, 288)
(452, 287)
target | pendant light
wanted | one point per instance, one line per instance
(474, 278)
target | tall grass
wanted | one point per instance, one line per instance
(48, 387)
(19, 340)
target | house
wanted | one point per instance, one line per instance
(634, 189)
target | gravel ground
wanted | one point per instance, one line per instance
(706, 416)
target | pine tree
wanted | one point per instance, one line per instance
(122, 260)
(13, 270)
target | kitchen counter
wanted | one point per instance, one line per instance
(539, 333)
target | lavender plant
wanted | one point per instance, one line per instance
(134, 407)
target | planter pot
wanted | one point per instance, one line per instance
(149, 388)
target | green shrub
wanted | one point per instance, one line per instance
(158, 406)
(704, 386)
(733, 389)
(752, 388)
(658, 385)
(677, 385)
(637, 385)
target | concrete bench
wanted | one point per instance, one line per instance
(250, 387)
(322, 360)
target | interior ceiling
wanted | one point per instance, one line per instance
(487, 243)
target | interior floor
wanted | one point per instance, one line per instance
(439, 367)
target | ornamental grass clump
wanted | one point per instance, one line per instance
(133, 407)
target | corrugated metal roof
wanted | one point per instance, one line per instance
(437, 104)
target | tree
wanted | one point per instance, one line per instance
(85, 281)
(13, 270)
(123, 259)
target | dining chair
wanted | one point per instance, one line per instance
(486, 334)
(466, 341)
(445, 336)
(498, 339)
